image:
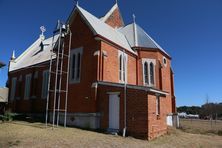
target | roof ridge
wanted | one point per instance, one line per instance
(107, 15)
(27, 50)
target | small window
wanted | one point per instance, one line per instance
(146, 79)
(27, 86)
(148, 66)
(157, 105)
(122, 67)
(13, 89)
(151, 73)
(75, 65)
(164, 61)
(45, 82)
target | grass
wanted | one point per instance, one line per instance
(201, 126)
(24, 134)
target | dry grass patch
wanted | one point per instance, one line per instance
(23, 134)
(201, 126)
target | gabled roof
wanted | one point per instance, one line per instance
(100, 28)
(137, 37)
(34, 54)
(110, 12)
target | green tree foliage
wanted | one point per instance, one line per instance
(206, 111)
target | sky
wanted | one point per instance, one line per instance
(189, 30)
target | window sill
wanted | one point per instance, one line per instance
(74, 81)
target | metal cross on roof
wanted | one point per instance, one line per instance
(43, 29)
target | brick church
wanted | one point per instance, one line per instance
(119, 79)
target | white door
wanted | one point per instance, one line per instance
(114, 111)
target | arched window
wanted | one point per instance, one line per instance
(151, 73)
(120, 67)
(146, 79)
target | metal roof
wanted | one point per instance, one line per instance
(137, 37)
(104, 30)
(34, 54)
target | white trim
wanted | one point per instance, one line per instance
(75, 52)
(108, 14)
(145, 88)
(124, 56)
(164, 63)
(154, 71)
(28, 79)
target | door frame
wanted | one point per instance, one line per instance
(118, 95)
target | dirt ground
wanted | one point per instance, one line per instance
(24, 134)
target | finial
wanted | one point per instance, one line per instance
(77, 2)
(42, 28)
(134, 18)
(116, 1)
(13, 55)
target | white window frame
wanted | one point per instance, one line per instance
(148, 61)
(75, 52)
(124, 56)
(45, 80)
(28, 81)
(165, 63)
(13, 88)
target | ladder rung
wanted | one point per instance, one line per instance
(60, 110)
(65, 55)
(59, 72)
(57, 90)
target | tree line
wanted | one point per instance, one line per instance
(206, 111)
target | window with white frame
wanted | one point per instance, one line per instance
(149, 72)
(28, 79)
(157, 105)
(122, 58)
(75, 65)
(13, 88)
(45, 81)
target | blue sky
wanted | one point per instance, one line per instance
(189, 30)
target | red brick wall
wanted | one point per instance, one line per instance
(115, 19)
(142, 121)
(111, 65)
(162, 75)
(156, 124)
(33, 104)
(81, 95)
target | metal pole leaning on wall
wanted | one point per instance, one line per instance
(56, 77)
(50, 70)
(125, 70)
(67, 78)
